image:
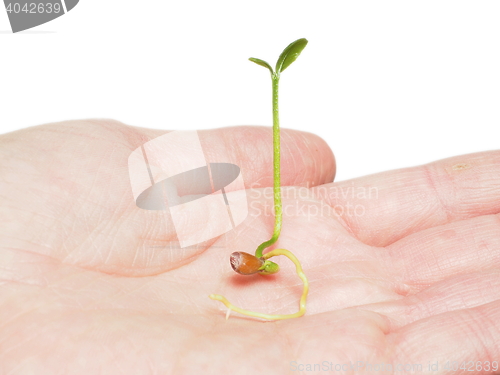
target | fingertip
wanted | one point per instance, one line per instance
(306, 158)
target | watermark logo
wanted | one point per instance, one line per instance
(25, 14)
(310, 202)
(170, 174)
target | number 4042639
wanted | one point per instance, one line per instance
(33, 8)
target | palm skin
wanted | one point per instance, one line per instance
(92, 284)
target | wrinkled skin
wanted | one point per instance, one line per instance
(91, 284)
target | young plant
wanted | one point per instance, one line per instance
(248, 264)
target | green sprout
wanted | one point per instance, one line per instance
(247, 264)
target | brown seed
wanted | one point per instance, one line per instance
(244, 263)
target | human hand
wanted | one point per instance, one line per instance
(403, 265)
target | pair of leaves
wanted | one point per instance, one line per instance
(288, 56)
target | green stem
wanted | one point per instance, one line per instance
(276, 169)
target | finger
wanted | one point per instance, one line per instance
(423, 258)
(306, 159)
(468, 337)
(463, 291)
(383, 208)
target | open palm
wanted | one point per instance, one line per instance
(403, 265)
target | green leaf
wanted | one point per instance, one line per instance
(290, 54)
(261, 63)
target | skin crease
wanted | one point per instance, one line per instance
(91, 284)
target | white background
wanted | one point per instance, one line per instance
(388, 84)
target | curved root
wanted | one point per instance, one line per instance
(303, 298)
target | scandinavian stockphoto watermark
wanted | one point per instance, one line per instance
(312, 202)
(26, 14)
(203, 200)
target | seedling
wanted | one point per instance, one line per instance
(247, 264)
